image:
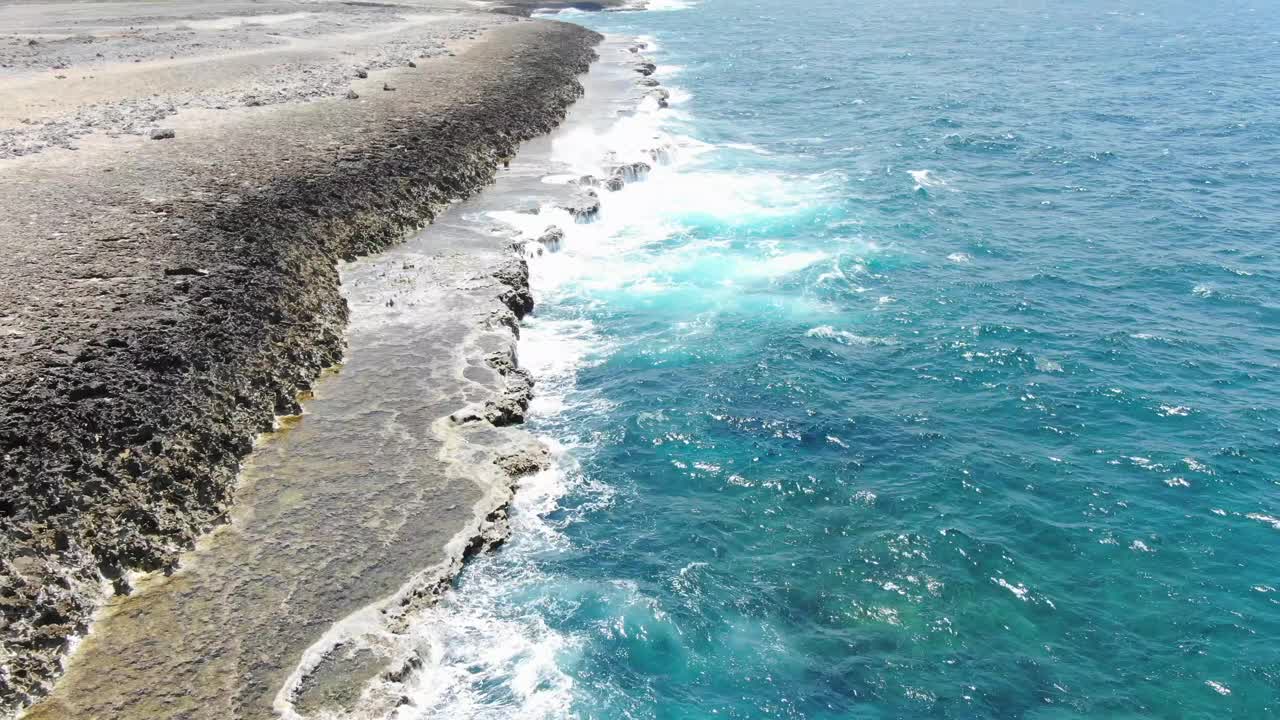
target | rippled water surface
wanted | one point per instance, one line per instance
(934, 376)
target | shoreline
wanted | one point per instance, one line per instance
(128, 450)
(390, 630)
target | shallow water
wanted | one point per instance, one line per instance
(934, 375)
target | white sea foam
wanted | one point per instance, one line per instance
(678, 96)
(925, 179)
(1197, 466)
(554, 351)
(1047, 365)
(779, 265)
(668, 5)
(618, 250)
(845, 337)
(650, 43)
(747, 147)
(1020, 591)
(1260, 517)
(1218, 687)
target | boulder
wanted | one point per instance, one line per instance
(584, 206)
(551, 238)
(631, 172)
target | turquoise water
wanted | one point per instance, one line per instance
(936, 376)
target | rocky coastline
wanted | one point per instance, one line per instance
(166, 302)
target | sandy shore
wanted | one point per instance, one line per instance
(163, 300)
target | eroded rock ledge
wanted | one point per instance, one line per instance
(160, 306)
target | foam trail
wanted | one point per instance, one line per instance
(925, 179)
(845, 337)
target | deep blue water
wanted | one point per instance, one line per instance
(936, 378)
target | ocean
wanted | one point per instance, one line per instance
(931, 372)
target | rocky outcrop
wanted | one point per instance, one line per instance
(631, 172)
(551, 238)
(128, 394)
(514, 274)
(584, 206)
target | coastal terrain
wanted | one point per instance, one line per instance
(179, 183)
(801, 360)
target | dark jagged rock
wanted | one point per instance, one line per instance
(551, 238)
(584, 206)
(632, 172)
(525, 462)
(515, 275)
(511, 406)
(661, 155)
(411, 665)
